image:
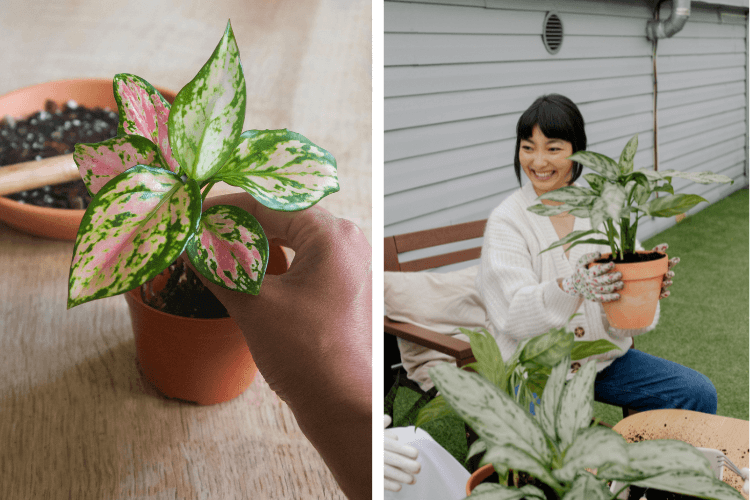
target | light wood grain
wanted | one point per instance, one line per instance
(77, 420)
(728, 435)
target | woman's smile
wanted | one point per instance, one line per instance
(545, 161)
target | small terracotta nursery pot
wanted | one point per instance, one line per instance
(57, 223)
(639, 297)
(205, 361)
(478, 476)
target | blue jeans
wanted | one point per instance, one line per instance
(644, 382)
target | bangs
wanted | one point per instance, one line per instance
(554, 122)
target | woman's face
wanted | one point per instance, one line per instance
(545, 162)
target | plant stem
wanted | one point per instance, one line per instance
(205, 191)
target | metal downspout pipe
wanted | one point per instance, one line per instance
(656, 29)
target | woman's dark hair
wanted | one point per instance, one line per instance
(558, 118)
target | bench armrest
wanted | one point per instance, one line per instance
(459, 349)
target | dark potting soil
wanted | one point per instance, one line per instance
(51, 132)
(636, 493)
(633, 257)
(184, 295)
(523, 480)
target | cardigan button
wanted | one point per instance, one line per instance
(579, 331)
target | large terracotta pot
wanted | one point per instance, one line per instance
(55, 223)
(639, 297)
(201, 360)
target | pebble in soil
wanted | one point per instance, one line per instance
(51, 132)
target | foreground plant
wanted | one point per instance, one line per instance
(559, 445)
(618, 198)
(146, 184)
(524, 376)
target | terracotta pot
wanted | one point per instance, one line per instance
(55, 223)
(640, 295)
(201, 360)
(478, 476)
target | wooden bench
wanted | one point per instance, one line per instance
(402, 243)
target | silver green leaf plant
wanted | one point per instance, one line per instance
(560, 447)
(525, 374)
(149, 183)
(618, 197)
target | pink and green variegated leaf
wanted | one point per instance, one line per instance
(135, 226)
(281, 169)
(230, 249)
(145, 112)
(103, 161)
(208, 113)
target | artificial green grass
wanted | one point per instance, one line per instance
(704, 322)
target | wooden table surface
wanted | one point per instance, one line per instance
(76, 418)
(728, 435)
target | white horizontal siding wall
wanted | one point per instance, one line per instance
(702, 101)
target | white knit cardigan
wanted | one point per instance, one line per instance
(519, 286)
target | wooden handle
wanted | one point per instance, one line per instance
(35, 174)
(56, 170)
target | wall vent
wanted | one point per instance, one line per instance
(552, 36)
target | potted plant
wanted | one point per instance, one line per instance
(148, 185)
(43, 111)
(558, 447)
(523, 377)
(617, 198)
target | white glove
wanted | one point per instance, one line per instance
(400, 461)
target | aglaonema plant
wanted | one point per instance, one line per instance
(148, 184)
(561, 448)
(525, 374)
(618, 198)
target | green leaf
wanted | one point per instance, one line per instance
(549, 210)
(551, 398)
(628, 154)
(281, 169)
(669, 206)
(599, 163)
(492, 413)
(586, 348)
(612, 200)
(486, 491)
(476, 448)
(435, 409)
(641, 194)
(690, 483)
(489, 362)
(548, 349)
(592, 448)
(230, 249)
(513, 458)
(101, 162)
(655, 457)
(208, 113)
(134, 228)
(595, 181)
(574, 196)
(145, 112)
(572, 236)
(699, 177)
(576, 404)
(587, 487)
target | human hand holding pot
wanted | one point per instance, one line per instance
(596, 284)
(310, 332)
(400, 460)
(667, 281)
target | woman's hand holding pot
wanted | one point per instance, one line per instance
(595, 284)
(670, 274)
